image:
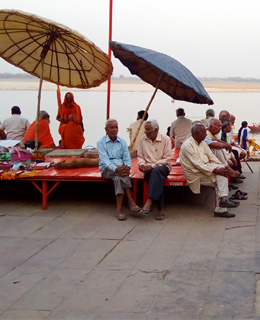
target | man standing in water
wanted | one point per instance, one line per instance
(115, 163)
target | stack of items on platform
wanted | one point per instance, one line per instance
(16, 161)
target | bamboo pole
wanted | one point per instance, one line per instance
(145, 113)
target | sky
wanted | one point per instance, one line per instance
(212, 38)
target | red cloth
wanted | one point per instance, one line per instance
(71, 135)
(44, 134)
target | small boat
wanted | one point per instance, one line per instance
(254, 128)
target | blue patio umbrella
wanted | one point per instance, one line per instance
(162, 72)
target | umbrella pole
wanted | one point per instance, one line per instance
(38, 106)
(146, 110)
(109, 54)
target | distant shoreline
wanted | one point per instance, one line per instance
(126, 85)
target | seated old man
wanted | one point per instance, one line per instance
(115, 163)
(154, 160)
(221, 149)
(202, 167)
(236, 150)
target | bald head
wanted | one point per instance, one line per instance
(224, 114)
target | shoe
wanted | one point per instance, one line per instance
(232, 200)
(224, 214)
(241, 177)
(227, 204)
(145, 211)
(231, 187)
(241, 193)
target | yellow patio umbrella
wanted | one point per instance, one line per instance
(51, 52)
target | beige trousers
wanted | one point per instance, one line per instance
(221, 189)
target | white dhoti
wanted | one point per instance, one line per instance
(221, 189)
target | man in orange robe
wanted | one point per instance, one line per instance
(71, 134)
(44, 134)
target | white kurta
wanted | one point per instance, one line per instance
(197, 161)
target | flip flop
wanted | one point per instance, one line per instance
(159, 217)
(145, 211)
(121, 217)
(135, 208)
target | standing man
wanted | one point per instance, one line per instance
(210, 113)
(15, 126)
(154, 160)
(180, 128)
(134, 127)
(201, 167)
(115, 163)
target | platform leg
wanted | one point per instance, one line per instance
(44, 195)
(145, 191)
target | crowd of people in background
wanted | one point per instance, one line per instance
(209, 154)
(71, 127)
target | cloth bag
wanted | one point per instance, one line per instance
(20, 155)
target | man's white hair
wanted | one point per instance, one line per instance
(154, 123)
(109, 120)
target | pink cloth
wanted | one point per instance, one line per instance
(157, 153)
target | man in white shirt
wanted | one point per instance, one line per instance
(180, 128)
(134, 127)
(15, 126)
(202, 167)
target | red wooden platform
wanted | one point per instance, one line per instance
(41, 179)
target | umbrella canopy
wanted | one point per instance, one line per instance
(51, 52)
(70, 59)
(153, 67)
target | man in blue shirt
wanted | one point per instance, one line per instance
(115, 163)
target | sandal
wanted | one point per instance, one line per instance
(159, 217)
(145, 211)
(121, 217)
(135, 208)
(238, 197)
(241, 193)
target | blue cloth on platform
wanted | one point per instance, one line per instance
(113, 154)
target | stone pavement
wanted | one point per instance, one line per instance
(75, 261)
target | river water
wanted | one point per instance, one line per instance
(124, 107)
